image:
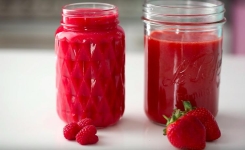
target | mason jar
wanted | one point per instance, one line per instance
(90, 65)
(183, 55)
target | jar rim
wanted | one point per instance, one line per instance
(178, 11)
(103, 7)
(211, 3)
(89, 15)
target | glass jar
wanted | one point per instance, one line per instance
(183, 54)
(90, 50)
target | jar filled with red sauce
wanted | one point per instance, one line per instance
(183, 55)
(90, 66)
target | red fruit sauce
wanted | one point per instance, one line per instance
(90, 48)
(181, 66)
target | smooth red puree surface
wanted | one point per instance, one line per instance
(181, 66)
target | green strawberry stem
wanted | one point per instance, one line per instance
(187, 106)
(177, 113)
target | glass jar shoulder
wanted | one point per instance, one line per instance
(69, 44)
(63, 34)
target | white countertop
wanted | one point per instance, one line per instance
(28, 118)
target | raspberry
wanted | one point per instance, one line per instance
(87, 135)
(94, 139)
(84, 122)
(70, 131)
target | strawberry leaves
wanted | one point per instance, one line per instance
(191, 118)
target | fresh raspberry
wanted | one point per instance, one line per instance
(70, 131)
(84, 122)
(94, 139)
(87, 135)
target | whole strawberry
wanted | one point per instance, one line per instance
(207, 119)
(87, 135)
(185, 132)
(70, 131)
